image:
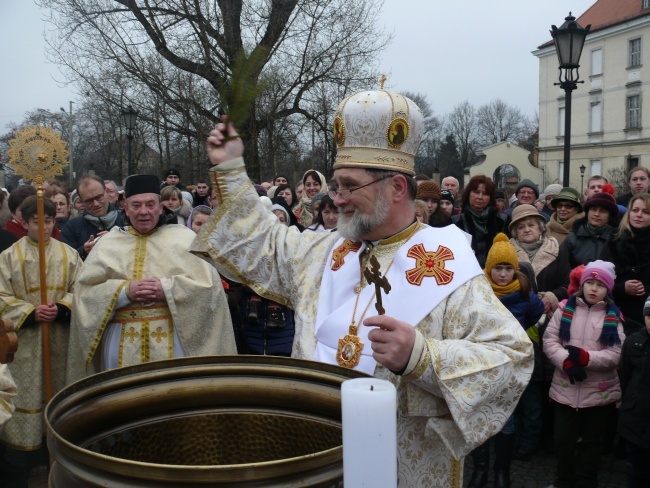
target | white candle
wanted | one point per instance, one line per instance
(369, 433)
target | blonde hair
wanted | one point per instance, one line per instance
(167, 192)
(422, 207)
(625, 221)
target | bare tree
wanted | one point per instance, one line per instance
(171, 59)
(462, 124)
(497, 121)
(426, 157)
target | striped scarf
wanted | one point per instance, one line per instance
(608, 336)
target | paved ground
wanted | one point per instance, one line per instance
(539, 472)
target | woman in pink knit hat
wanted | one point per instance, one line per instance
(583, 342)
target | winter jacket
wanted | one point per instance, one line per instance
(495, 223)
(552, 268)
(528, 312)
(78, 230)
(601, 387)
(561, 231)
(17, 229)
(633, 420)
(584, 247)
(631, 256)
(269, 327)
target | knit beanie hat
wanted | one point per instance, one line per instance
(500, 194)
(428, 189)
(602, 271)
(553, 189)
(646, 307)
(501, 252)
(603, 200)
(526, 183)
(447, 195)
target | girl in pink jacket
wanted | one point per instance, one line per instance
(583, 342)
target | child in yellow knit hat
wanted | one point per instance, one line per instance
(514, 291)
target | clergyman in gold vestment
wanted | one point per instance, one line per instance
(458, 358)
(143, 297)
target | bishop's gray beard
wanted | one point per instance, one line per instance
(359, 225)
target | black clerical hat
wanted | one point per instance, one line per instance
(137, 184)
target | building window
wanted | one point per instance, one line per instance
(646, 4)
(635, 52)
(561, 122)
(597, 61)
(560, 171)
(634, 112)
(595, 167)
(596, 124)
(632, 162)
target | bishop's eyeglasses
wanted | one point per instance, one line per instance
(345, 193)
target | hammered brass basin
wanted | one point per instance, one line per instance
(203, 421)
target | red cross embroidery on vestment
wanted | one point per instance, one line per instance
(340, 252)
(428, 264)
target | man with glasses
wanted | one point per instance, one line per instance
(458, 358)
(99, 216)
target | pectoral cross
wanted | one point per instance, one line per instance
(8, 341)
(373, 276)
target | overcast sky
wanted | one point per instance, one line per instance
(474, 50)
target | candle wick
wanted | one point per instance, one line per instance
(372, 388)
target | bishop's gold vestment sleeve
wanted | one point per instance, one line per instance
(479, 367)
(250, 245)
(8, 390)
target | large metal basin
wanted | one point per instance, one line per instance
(203, 421)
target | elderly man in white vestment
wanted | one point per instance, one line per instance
(143, 297)
(458, 358)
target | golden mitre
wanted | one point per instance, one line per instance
(378, 129)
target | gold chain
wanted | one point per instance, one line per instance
(356, 302)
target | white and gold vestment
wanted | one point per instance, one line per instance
(194, 319)
(472, 358)
(20, 293)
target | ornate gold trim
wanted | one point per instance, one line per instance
(140, 313)
(102, 326)
(339, 131)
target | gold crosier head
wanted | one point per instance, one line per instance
(38, 151)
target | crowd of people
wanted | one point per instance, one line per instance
(543, 297)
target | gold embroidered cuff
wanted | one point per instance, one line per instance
(126, 291)
(422, 364)
(416, 353)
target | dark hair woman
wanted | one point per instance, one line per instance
(480, 217)
(328, 216)
(288, 193)
(314, 182)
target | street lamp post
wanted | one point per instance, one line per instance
(130, 115)
(582, 178)
(70, 166)
(569, 40)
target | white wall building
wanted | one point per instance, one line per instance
(610, 127)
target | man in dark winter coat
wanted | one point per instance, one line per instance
(590, 234)
(633, 424)
(99, 216)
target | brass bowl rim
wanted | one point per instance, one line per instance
(335, 375)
